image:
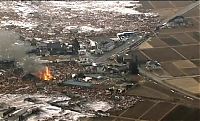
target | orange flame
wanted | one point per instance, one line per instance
(46, 74)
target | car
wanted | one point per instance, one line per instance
(188, 97)
(172, 90)
(155, 82)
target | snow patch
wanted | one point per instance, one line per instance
(18, 23)
(110, 6)
(82, 29)
(103, 106)
(89, 29)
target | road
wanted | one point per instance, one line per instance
(184, 10)
(137, 41)
(161, 81)
(130, 42)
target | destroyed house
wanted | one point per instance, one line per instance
(108, 46)
(7, 64)
(153, 65)
(54, 48)
(126, 35)
(54, 45)
(92, 68)
(177, 19)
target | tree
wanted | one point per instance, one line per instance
(133, 66)
(76, 46)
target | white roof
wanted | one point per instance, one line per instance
(94, 64)
(92, 43)
(87, 78)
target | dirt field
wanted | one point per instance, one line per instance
(184, 38)
(171, 41)
(156, 113)
(146, 4)
(161, 72)
(198, 19)
(162, 54)
(182, 113)
(181, 3)
(191, 71)
(196, 62)
(147, 92)
(98, 119)
(172, 69)
(156, 42)
(188, 84)
(184, 64)
(141, 56)
(195, 35)
(197, 78)
(163, 4)
(116, 113)
(145, 45)
(190, 51)
(192, 12)
(164, 13)
(138, 109)
(194, 21)
(122, 119)
(167, 32)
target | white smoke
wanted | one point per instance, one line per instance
(11, 47)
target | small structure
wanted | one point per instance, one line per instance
(83, 59)
(82, 52)
(93, 68)
(126, 35)
(151, 65)
(123, 69)
(96, 51)
(51, 47)
(93, 44)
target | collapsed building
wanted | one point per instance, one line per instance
(177, 21)
(126, 35)
(51, 47)
(7, 64)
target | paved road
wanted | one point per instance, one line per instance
(161, 81)
(135, 41)
(178, 96)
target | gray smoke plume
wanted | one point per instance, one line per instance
(13, 48)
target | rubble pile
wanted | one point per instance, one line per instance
(67, 28)
(59, 21)
(13, 84)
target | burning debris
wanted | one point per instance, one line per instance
(46, 74)
(43, 35)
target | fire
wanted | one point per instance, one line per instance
(46, 74)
